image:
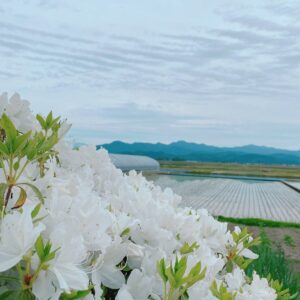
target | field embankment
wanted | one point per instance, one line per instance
(250, 170)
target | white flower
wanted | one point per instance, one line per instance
(63, 272)
(201, 291)
(93, 223)
(64, 128)
(135, 254)
(19, 112)
(246, 252)
(258, 290)
(18, 235)
(138, 287)
(108, 273)
(235, 280)
(237, 230)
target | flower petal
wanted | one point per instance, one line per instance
(111, 277)
(43, 287)
(70, 277)
(8, 260)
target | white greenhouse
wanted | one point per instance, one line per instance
(127, 162)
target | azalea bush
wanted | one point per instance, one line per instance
(73, 226)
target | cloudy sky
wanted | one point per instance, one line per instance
(221, 72)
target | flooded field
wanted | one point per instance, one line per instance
(270, 200)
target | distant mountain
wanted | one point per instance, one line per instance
(182, 150)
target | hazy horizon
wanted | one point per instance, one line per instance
(177, 141)
(223, 72)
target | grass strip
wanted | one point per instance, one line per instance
(272, 261)
(258, 222)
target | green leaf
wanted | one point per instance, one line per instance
(8, 278)
(229, 266)
(31, 151)
(39, 247)
(56, 120)
(55, 125)
(125, 232)
(126, 269)
(9, 127)
(179, 275)
(171, 278)
(25, 295)
(50, 256)
(50, 142)
(21, 141)
(36, 210)
(6, 295)
(74, 295)
(41, 121)
(161, 268)
(49, 119)
(221, 293)
(47, 248)
(186, 248)
(180, 270)
(44, 251)
(3, 149)
(16, 165)
(195, 270)
(194, 279)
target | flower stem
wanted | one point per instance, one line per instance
(171, 293)
(8, 194)
(22, 170)
(3, 167)
(36, 274)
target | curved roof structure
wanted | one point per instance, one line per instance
(127, 162)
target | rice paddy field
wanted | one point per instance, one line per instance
(269, 200)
